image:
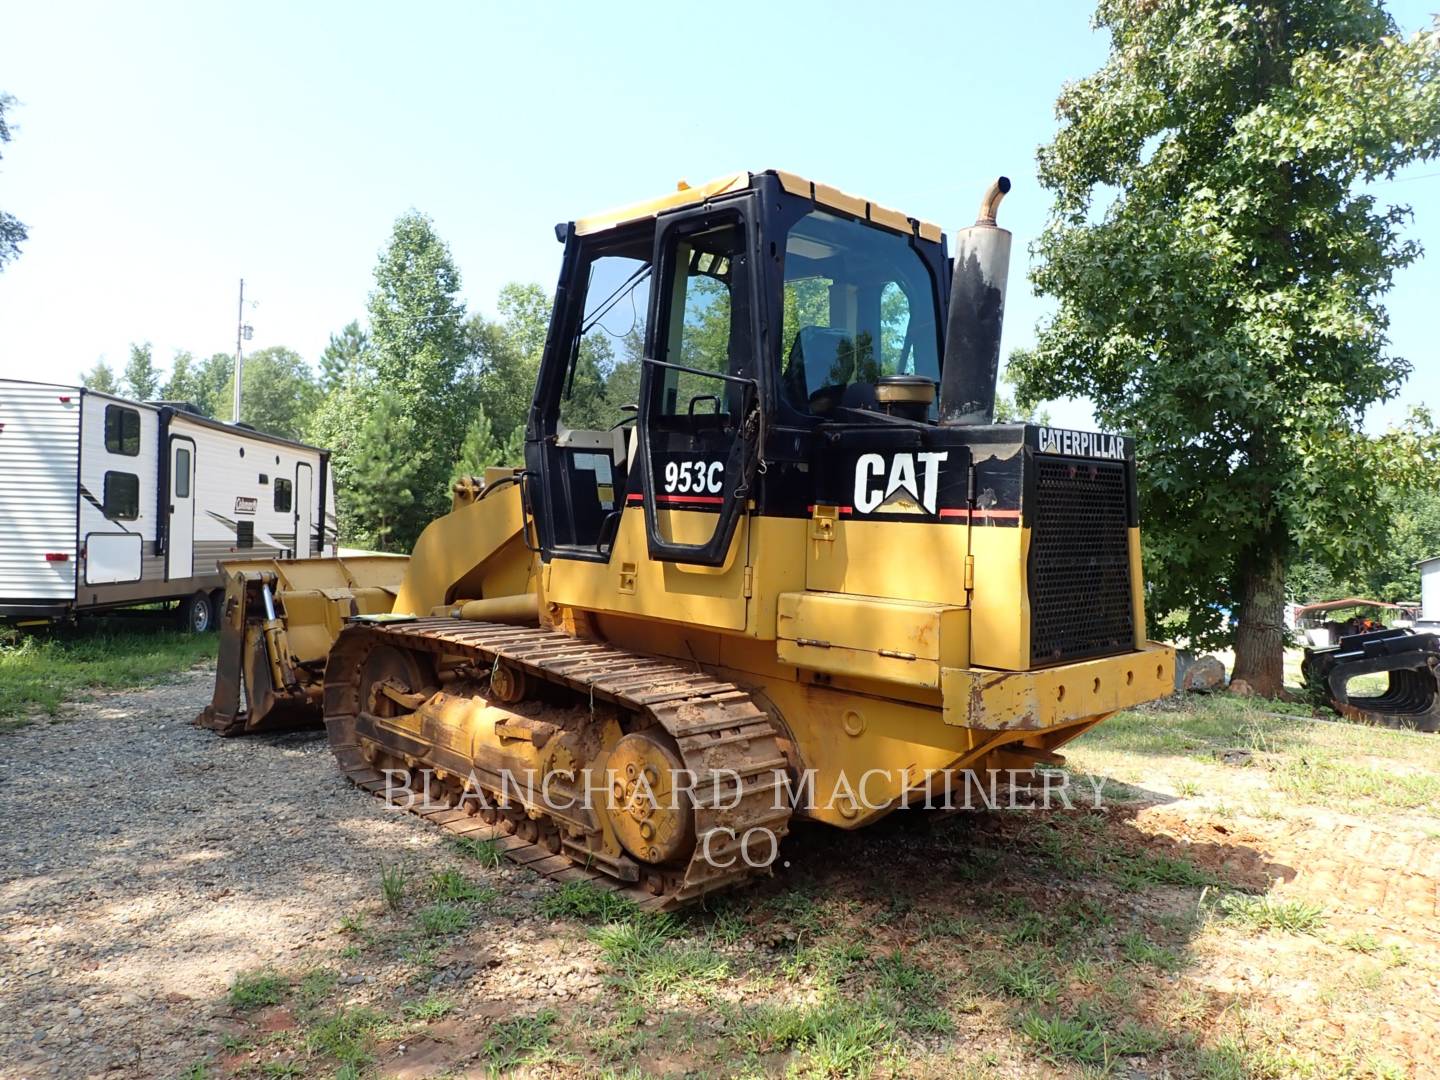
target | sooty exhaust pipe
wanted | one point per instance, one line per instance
(977, 313)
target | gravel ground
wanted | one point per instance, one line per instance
(144, 862)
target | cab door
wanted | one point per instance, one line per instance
(304, 510)
(180, 524)
(700, 405)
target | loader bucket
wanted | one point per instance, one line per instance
(277, 623)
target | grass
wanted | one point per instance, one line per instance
(646, 959)
(1343, 784)
(453, 887)
(431, 1007)
(441, 919)
(520, 1040)
(393, 881)
(588, 902)
(829, 1038)
(346, 1036)
(252, 989)
(40, 672)
(1028, 980)
(1089, 1036)
(486, 852)
(1270, 913)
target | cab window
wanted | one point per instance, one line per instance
(860, 303)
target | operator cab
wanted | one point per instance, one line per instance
(700, 335)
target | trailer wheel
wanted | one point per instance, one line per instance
(197, 614)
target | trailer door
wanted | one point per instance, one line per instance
(304, 510)
(180, 533)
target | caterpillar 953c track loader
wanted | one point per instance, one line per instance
(790, 580)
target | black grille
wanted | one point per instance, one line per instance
(1079, 560)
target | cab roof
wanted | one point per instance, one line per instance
(823, 194)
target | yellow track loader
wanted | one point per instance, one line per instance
(802, 574)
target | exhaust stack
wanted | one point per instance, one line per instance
(977, 313)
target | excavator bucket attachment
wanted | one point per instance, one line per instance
(278, 621)
(1410, 662)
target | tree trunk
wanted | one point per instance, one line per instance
(1260, 637)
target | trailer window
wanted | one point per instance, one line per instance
(122, 496)
(182, 473)
(122, 430)
(283, 488)
(245, 534)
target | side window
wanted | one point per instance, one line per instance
(283, 489)
(709, 330)
(604, 372)
(122, 496)
(182, 473)
(245, 534)
(122, 430)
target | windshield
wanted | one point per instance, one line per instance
(859, 304)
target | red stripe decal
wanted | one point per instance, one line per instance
(708, 500)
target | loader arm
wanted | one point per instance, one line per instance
(280, 617)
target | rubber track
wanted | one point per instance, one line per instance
(714, 723)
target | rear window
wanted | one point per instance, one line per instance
(122, 430)
(122, 496)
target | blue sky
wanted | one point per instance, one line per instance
(163, 151)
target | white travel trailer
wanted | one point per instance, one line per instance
(106, 502)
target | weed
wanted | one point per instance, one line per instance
(485, 852)
(1089, 1037)
(926, 1020)
(281, 1070)
(1139, 949)
(316, 985)
(646, 961)
(902, 977)
(1138, 870)
(251, 989)
(1027, 980)
(588, 901)
(514, 1042)
(352, 924)
(441, 919)
(728, 928)
(451, 886)
(393, 880)
(196, 1071)
(954, 926)
(1271, 913)
(1361, 942)
(233, 1044)
(345, 1036)
(430, 1007)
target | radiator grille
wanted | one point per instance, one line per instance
(1079, 560)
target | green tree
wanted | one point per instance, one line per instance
(344, 355)
(12, 230)
(421, 356)
(101, 377)
(1225, 306)
(181, 384)
(213, 386)
(383, 478)
(279, 393)
(337, 424)
(479, 451)
(142, 377)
